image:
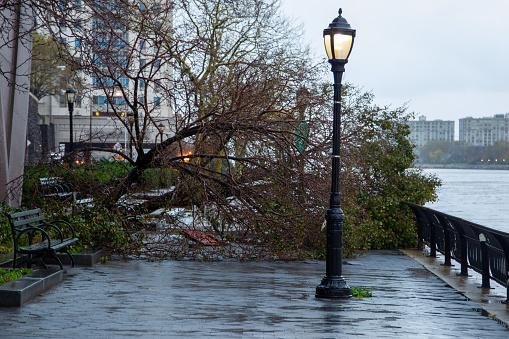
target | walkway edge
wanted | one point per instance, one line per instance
(490, 303)
(18, 292)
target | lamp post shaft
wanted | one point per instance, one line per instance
(335, 215)
(131, 140)
(71, 132)
(333, 285)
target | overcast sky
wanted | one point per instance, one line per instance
(446, 59)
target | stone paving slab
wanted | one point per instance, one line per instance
(491, 300)
(256, 299)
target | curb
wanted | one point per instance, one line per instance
(18, 292)
(489, 301)
(86, 259)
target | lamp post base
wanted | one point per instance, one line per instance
(333, 288)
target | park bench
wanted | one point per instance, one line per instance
(54, 187)
(35, 237)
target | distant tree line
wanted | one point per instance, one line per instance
(445, 152)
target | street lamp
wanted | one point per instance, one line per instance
(338, 39)
(70, 95)
(161, 128)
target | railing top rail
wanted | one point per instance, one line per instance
(469, 223)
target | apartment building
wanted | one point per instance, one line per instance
(122, 67)
(422, 131)
(484, 131)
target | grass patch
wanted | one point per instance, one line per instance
(361, 292)
(10, 274)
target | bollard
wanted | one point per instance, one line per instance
(485, 260)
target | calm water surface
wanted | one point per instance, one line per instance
(481, 196)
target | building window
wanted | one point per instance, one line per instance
(62, 101)
(99, 100)
(143, 44)
(77, 101)
(157, 101)
(118, 100)
(102, 82)
(124, 82)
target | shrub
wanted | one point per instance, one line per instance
(99, 227)
(5, 230)
(10, 274)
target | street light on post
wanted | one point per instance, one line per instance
(161, 128)
(338, 39)
(70, 95)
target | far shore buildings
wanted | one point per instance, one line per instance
(422, 131)
(484, 131)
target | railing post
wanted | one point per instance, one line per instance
(507, 289)
(447, 241)
(433, 236)
(464, 256)
(461, 238)
(485, 259)
(419, 225)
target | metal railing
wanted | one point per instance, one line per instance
(474, 246)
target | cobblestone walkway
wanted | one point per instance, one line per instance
(257, 299)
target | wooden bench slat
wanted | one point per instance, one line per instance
(56, 244)
(32, 221)
(14, 215)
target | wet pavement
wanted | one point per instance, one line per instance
(255, 299)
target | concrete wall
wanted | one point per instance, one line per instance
(15, 21)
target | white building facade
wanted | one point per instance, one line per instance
(423, 131)
(484, 131)
(123, 67)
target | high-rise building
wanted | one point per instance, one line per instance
(422, 131)
(484, 131)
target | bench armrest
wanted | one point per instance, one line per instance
(58, 225)
(44, 234)
(60, 233)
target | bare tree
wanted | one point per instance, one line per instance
(245, 94)
(229, 71)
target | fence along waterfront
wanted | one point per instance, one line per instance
(474, 246)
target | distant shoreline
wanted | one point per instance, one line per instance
(463, 166)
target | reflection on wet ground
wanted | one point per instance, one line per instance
(255, 299)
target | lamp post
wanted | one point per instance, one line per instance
(70, 95)
(130, 120)
(338, 38)
(161, 128)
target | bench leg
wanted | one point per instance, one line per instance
(54, 255)
(41, 260)
(70, 257)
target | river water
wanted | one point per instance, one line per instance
(480, 196)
